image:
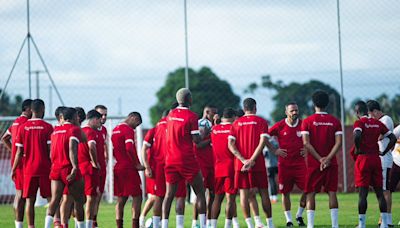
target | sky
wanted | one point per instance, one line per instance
(119, 53)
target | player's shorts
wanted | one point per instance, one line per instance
(92, 182)
(176, 173)
(368, 171)
(385, 178)
(32, 184)
(19, 179)
(253, 179)
(127, 183)
(102, 182)
(60, 174)
(288, 176)
(225, 185)
(316, 179)
(159, 186)
(150, 182)
(208, 177)
(394, 177)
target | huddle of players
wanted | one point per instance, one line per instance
(66, 162)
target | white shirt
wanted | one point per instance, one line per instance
(396, 151)
(387, 160)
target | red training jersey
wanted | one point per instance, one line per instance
(100, 147)
(223, 156)
(123, 140)
(149, 140)
(60, 144)
(181, 125)
(84, 160)
(159, 147)
(322, 129)
(289, 138)
(13, 131)
(247, 132)
(370, 129)
(34, 136)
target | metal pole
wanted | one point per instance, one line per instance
(29, 47)
(37, 84)
(342, 101)
(50, 100)
(186, 49)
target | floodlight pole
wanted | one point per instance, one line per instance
(186, 48)
(28, 25)
(342, 114)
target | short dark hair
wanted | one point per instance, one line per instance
(135, 114)
(320, 99)
(174, 105)
(229, 113)
(68, 113)
(58, 112)
(100, 107)
(373, 105)
(361, 106)
(37, 105)
(81, 114)
(249, 104)
(93, 114)
(26, 104)
(290, 103)
(239, 112)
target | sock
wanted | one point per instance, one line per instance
(64, 225)
(288, 216)
(164, 223)
(228, 223)
(389, 219)
(213, 223)
(76, 222)
(384, 222)
(89, 223)
(249, 223)
(257, 221)
(81, 224)
(141, 220)
(194, 223)
(270, 224)
(48, 222)
(180, 220)
(208, 222)
(235, 222)
(135, 223)
(361, 221)
(19, 224)
(156, 221)
(310, 218)
(202, 220)
(31, 226)
(299, 212)
(120, 223)
(335, 217)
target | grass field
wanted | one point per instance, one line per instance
(348, 215)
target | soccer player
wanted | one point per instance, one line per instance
(291, 162)
(204, 155)
(11, 134)
(395, 171)
(102, 152)
(322, 138)
(65, 175)
(180, 160)
(224, 170)
(89, 164)
(33, 142)
(247, 139)
(126, 168)
(367, 168)
(374, 111)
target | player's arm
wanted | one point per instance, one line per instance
(93, 154)
(145, 148)
(309, 147)
(73, 157)
(6, 139)
(391, 144)
(250, 163)
(357, 133)
(130, 150)
(234, 150)
(203, 143)
(335, 148)
(18, 158)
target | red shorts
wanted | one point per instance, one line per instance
(225, 185)
(159, 183)
(368, 171)
(92, 182)
(253, 179)
(127, 183)
(208, 177)
(150, 182)
(60, 174)
(316, 179)
(288, 176)
(19, 179)
(32, 184)
(176, 173)
(102, 182)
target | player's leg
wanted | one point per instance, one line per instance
(166, 205)
(362, 205)
(310, 204)
(216, 208)
(65, 209)
(90, 209)
(198, 188)
(286, 203)
(244, 203)
(99, 197)
(30, 186)
(30, 210)
(300, 210)
(119, 210)
(334, 208)
(266, 205)
(209, 202)
(136, 205)
(57, 188)
(180, 211)
(254, 208)
(91, 191)
(382, 205)
(146, 208)
(76, 190)
(19, 201)
(195, 215)
(388, 194)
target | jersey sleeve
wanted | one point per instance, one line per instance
(383, 129)
(149, 138)
(76, 134)
(264, 129)
(19, 140)
(194, 126)
(396, 132)
(305, 127)
(274, 130)
(357, 126)
(338, 127)
(233, 132)
(91, 137)
(50, 130)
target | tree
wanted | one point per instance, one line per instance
(10, 107)
(206, 88)
(296, 92)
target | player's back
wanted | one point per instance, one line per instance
(13, 131)
(181, 124)
(84, 159)
(223, 157)
(121, 136)
(159, 143)
(371, 130)
(60, 144)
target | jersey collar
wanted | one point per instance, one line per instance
(321, 113)
(180, 107)
(294, 125)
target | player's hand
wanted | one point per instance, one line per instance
(13, 173)
(303, 152)
(72, 175)
(325, 162)
(139, 167)
(248, 164)
(148, 172)
(94, 165)
(281, 152)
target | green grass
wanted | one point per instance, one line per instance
(348, 215)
